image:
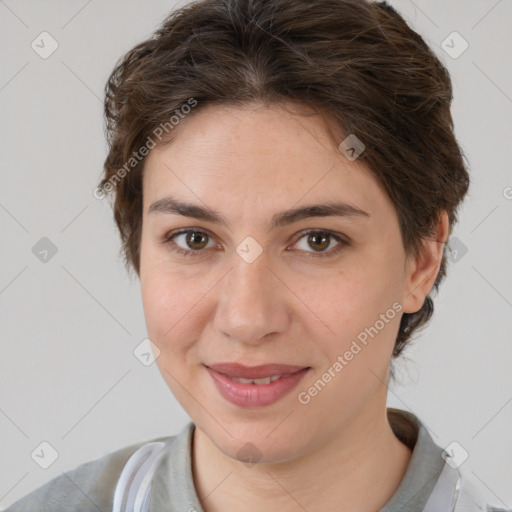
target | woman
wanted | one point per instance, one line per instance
(285, 179)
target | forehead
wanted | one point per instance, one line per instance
(255, 154)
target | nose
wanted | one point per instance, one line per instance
(253, 303)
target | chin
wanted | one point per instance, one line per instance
(253, 444)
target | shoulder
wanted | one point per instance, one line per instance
(88, 487)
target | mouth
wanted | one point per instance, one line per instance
(255, 386)
(258, 382)
(258, 374)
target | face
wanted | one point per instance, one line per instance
(257, 287)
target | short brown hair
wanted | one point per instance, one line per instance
(355, 61)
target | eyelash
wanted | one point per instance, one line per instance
(168, 239)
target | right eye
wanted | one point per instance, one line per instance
(192, 240)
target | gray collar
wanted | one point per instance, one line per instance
(173, 485)
(423, 470)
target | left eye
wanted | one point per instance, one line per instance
(321, 240)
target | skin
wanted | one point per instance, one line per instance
(338, 452)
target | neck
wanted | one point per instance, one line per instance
(357, 470)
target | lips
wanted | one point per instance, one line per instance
(262, 385)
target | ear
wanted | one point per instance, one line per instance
(421, 271)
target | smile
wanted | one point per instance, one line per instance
(264, 380)
(255, 392)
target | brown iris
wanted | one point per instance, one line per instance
(319, 238)
(194, 237)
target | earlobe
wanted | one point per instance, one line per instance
(422, 270)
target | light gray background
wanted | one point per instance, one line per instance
(69, 326)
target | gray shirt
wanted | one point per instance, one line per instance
(90, 487)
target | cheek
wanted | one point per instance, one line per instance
(363, 314)
(164, 302)
(174, 307)
(174, 320)
(358, 304)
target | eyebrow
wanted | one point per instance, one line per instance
(170, 205)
